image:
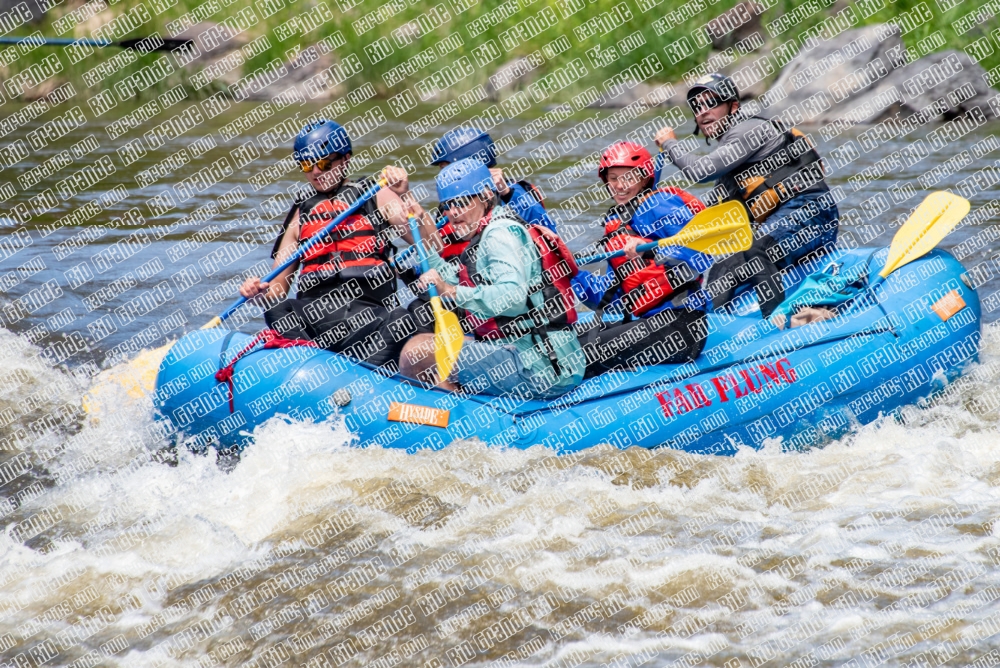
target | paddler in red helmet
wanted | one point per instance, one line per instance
(658, 294)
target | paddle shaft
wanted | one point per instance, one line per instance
(424, 267)
(405, 253)
(303, 249)
(641, 248)
(167, 44)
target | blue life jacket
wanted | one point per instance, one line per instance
(526, 201)
(653, 216)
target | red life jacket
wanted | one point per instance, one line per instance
(646, 284)
(559, 306)
(453, 244)
(354, 249)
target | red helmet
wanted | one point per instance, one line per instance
(625, 154)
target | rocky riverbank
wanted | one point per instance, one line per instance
(833, 67)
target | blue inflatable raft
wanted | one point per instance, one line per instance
(752, 382)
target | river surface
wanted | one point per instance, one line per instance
(879, 549)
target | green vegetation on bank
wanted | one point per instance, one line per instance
(438, 51)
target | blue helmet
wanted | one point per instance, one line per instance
(320, 139)
(465, 143)
(463, 179)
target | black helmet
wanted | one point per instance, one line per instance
(720, 84)
(716, 83)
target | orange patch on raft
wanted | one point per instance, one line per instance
(948, 305)
(434, 417)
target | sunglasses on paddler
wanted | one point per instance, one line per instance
(458, 203)
(323, 163)
(704, 103)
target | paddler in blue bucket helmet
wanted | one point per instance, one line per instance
(521, 197)
(519, 347)
(346, 281)
(525, 199)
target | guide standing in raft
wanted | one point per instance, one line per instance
(346, 280)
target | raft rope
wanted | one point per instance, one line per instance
(271, 339)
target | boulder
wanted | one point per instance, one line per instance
(737, 26)
(214, 44)
(35, 9)
(42, 90)
(863, 76)
(622, 94)
(752, 72)
(290, 86)
(88, 27)
(212, 41)
(513, 75)
(933, 86)
(828, 75)
(625, 93)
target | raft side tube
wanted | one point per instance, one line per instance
(751, 383)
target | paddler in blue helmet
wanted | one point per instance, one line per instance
(346, 280)
(524, 341)
(774, 169)
(523, 198)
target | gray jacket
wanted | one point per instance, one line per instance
(749, 140)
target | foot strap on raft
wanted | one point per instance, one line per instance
(271, 339)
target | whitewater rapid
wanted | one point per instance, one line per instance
(879, 548)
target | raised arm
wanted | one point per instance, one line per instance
(735, 148)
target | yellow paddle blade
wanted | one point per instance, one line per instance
(448, 338)
(136, 378)
(132, 380)
(718, 230)
(931, 222)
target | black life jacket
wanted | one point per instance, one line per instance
(791, 170)
(354, 250)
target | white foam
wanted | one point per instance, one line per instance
(776, 530)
